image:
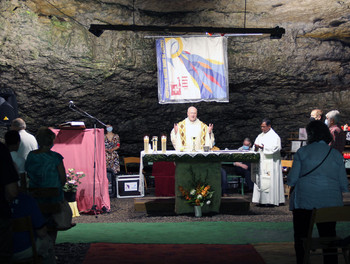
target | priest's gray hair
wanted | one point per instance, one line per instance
(335, 115)
(19, 123)
(191, 107)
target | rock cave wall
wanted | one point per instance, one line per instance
(48, 57)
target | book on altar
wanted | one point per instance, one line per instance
(73, 125)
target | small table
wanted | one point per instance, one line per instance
(199, 166)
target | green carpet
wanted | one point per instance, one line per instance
(184, 233)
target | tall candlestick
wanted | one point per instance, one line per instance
(146, 144)
(163, 144)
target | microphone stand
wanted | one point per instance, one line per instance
(83, 113)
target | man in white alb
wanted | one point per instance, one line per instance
(28, 141)
(192, 130)
(268, 189)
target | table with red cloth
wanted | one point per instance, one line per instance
(77, 149)
(200, 166)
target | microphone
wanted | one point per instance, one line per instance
(71, 104)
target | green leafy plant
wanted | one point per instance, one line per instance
(73, 180)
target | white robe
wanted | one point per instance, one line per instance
(268, 188)
(193, 129)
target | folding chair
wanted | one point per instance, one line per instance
(132, 161)
(236, 179)
(286, 164)
(128, 185)
(24, 224)
(323, 215)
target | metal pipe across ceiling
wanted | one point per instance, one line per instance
(275, 33)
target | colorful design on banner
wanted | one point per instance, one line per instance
(192, 69)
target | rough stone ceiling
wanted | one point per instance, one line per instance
(321, 19)
(49, 57)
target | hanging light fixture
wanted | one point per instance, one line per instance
(275, 33)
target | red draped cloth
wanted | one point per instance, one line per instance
(77, 148)
(164, 178)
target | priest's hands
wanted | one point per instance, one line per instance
(242, 165)
(210, 128)
(258, 146)
(176, 128)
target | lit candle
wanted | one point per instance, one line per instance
(163, 144)
(145, 144)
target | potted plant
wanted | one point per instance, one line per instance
(71, 185)
(197, 196)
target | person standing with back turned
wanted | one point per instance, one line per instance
(318, 176)
(28, 141)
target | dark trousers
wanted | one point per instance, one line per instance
(112, 179)
(224, 185)
(238, 171)
(6, 242)
(246, 174)
(301, 223)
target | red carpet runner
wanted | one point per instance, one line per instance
(108, 253)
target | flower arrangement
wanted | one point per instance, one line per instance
(73, 180)
(198, 196)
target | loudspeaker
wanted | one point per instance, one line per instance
(8, 106)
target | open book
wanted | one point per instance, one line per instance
(73, 125)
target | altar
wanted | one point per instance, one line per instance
(204, 167)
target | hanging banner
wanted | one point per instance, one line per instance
(192, 69)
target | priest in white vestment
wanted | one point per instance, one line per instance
(191, 133)
(268, 188)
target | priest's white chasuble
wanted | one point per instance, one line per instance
(191, 135)
(268, 188)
